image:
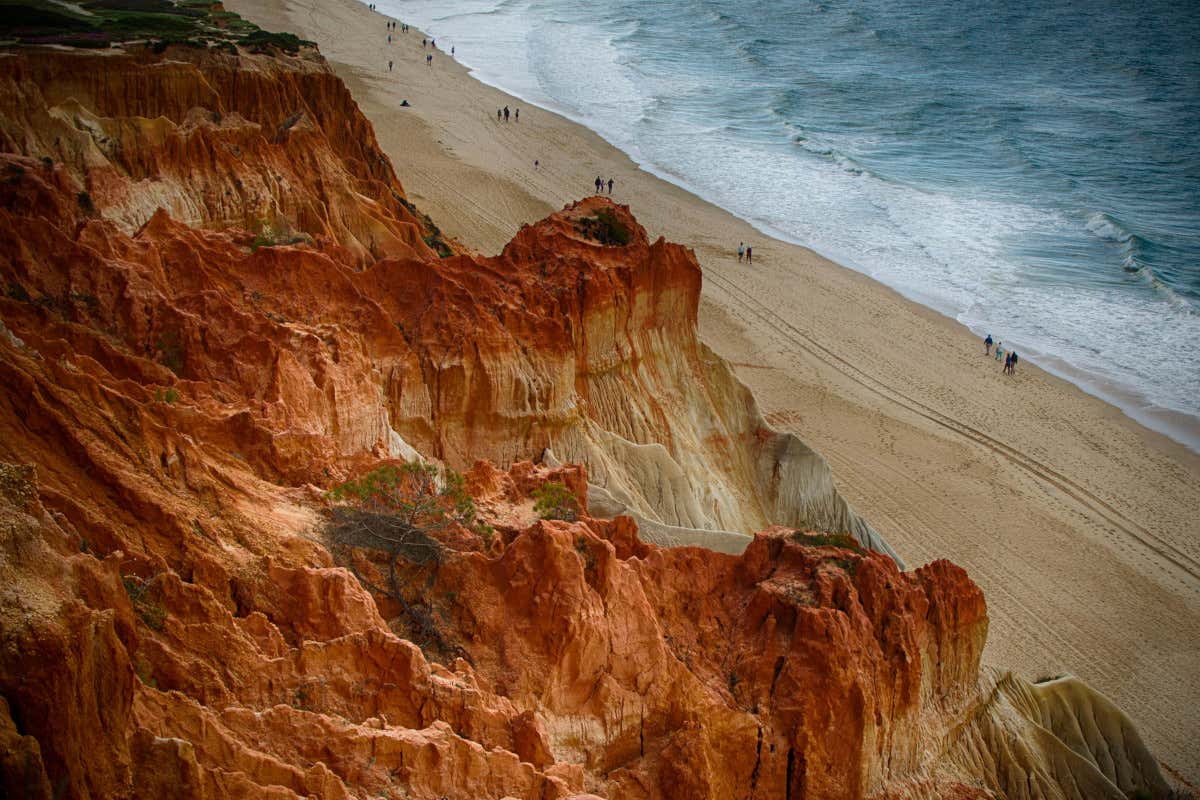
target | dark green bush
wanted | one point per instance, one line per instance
(18, 19)
(605, 228)
(612, 229)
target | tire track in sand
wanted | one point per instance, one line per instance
(1082, 496)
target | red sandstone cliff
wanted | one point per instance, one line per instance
(172, 622)
(586, 349)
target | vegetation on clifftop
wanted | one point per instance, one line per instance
(604, 228)
(555, 501)
(161, 23)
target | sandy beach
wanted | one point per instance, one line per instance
(1081, 526)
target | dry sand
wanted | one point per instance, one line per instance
(1082, 527)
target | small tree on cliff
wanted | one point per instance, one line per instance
(553, 500)
(396, 510)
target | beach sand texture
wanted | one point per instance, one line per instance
(1082, 527)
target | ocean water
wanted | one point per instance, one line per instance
(1030, 169)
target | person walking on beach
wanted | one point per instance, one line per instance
(596, 183)
(749, 255)
(433, 43)
(999, 350)
(1007, 363)
(499, 115)
(506, 113)
(429, 59)
(741, 251)
(389, 66)
(452, 51)
(610, 183)
(535, 165)
(987, 345)
(1015, 358)
(423, 43)
(517, 116)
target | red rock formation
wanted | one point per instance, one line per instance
(588, 653)
(172, 623)
(269, 144)
(580, 347)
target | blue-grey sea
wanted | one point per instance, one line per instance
(1031, 169)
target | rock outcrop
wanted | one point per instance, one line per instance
(179, 385)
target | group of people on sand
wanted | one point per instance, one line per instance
(1010, 356)
(599, 184)
(502, 115)
(748, 252)
(393, 25)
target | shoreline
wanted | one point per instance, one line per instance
(1178, 426)
(1080, 525)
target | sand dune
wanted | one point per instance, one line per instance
(1082, 527)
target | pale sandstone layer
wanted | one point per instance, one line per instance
(1081, 526)
(172, 623)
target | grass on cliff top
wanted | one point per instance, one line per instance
(101, 23)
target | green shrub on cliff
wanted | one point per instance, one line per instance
(555, 501)
(395, 510)
(407, 488)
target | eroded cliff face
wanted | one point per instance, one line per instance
(270, 144)
(560, 342)
(175, 396)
